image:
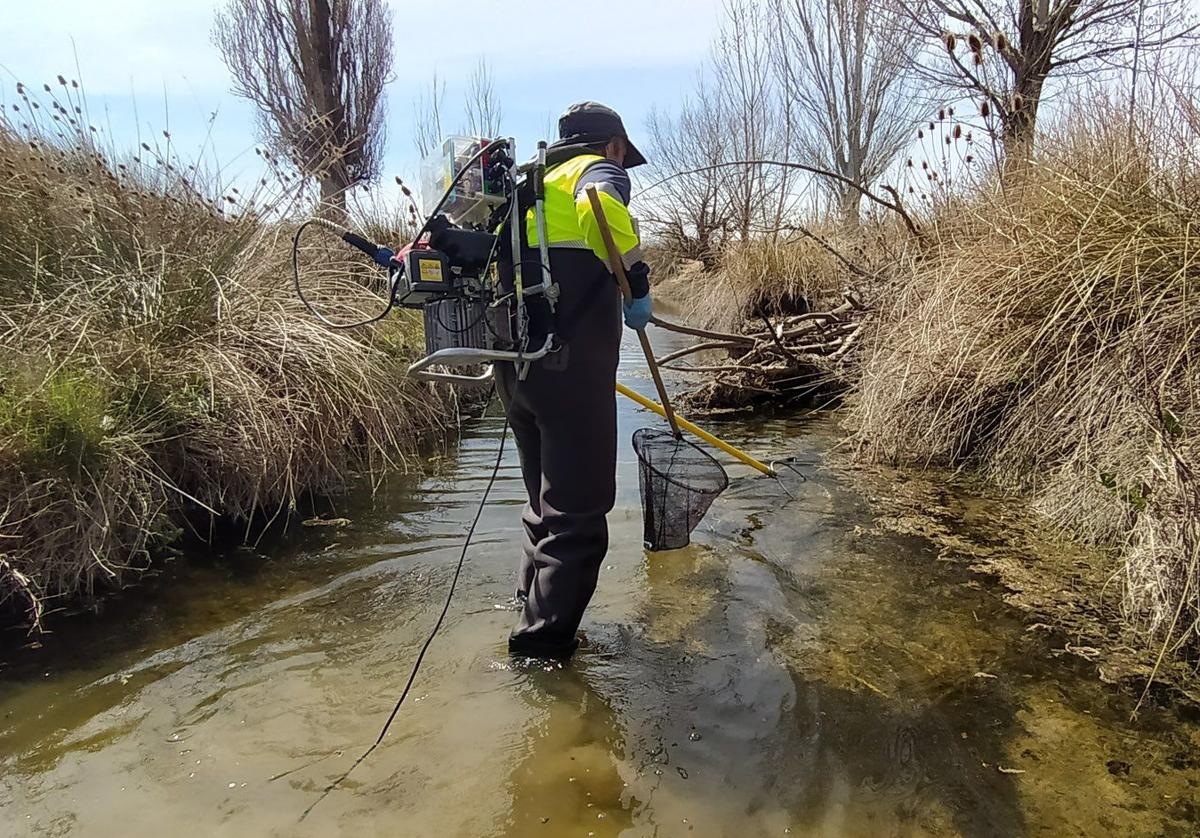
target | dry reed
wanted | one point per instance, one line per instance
(1046, 334)
(774, 275)
(156, 371)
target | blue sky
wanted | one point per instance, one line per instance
(149, 65)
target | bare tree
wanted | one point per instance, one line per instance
(550, 127)
(1149, 65)
(1005, 51)
(316, 71)
(845, 72)
(746, 98)
(482, 106)
(690, 210)
(427, 121)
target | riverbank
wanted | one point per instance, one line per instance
(1046, 338)
(1039, 331)
(158, 376)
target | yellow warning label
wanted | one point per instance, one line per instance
(430, 270)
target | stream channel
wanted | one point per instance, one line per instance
(796, 670)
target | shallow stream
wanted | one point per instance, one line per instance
(795, 671)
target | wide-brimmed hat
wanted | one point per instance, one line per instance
(591, 122)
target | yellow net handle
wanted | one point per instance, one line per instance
(684, 424)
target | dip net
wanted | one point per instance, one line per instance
(679, 481)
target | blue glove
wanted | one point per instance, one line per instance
(637, 313)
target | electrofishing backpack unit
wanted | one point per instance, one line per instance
(466, 268)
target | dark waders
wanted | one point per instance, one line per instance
(564, 418)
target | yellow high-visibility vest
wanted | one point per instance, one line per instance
(570, 222)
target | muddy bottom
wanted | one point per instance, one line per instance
(797, 670)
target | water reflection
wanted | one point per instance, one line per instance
(568, 780)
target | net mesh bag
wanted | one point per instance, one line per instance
(679, 481)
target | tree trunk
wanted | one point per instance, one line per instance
(327, 93)
(1020, 124)
(333, 197)
(1037, 37)
(849, 208)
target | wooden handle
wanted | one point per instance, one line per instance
(618, 269)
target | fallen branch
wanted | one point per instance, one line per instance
(744, 368)
(775, 335)
(786, 357)
(848, 343)
(700, 347)
(702, 333)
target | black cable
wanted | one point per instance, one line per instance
(470, 326)
(312, 309)
(412, 677)
(494, 144)
(437, 626)
(437, 313)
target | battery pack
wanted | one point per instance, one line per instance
(426, 277)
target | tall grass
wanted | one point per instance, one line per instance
(1043, 330)
(768, 275)
(156, 371)
(1047, 333)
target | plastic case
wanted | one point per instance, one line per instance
(474, 196)
(426, 277)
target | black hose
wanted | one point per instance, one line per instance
(412, 676)
(312, 309)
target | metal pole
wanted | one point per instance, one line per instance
(515, 221)
(539, 212)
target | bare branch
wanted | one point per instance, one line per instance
(427, 119)
(843, 68)
(482, 104)
(1016, 47)
(895, 207)
(315, 71)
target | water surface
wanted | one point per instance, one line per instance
(795, 671)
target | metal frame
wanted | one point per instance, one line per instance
(465, 356)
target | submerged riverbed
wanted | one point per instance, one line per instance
(797, 670)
